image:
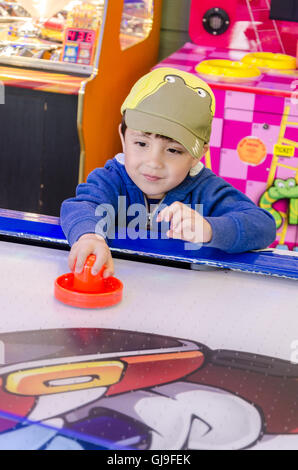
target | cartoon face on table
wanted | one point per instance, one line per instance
(113, 388)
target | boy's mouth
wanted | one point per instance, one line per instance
(152, 178)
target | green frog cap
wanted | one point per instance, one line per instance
(172, 103)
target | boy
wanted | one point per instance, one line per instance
(165, 131)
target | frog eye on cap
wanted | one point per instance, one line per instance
(202, 93)
(170, 79)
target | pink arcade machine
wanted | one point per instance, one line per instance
(246, 50)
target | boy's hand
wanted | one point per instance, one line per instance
(185, 223)
(91, 244)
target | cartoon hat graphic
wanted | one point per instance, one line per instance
(172, 103)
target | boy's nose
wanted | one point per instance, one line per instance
(155, 160)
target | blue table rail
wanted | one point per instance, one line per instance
(42, 229)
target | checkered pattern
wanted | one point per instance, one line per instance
(241, 112)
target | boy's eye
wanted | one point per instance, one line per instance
(141, 144)
(172, 150)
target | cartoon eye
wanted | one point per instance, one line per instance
(202, 93)
(170, 79)
(280, 184)
(291, 183)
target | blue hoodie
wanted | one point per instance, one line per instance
(238, 225)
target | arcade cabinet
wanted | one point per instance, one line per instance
(65, 68)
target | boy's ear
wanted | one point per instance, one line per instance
(196, 160)
(122, 138)
(205, 149)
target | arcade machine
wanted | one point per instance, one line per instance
(65, 68)
(245, 50)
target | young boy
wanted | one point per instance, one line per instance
(165, 131)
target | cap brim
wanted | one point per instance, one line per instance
(144, 122)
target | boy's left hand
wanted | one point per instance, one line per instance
(185, 223)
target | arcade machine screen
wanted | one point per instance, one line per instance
(64, 31)
(49, 33)
(285, 11)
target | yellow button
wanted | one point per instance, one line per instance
(227, 70)
(270, 60)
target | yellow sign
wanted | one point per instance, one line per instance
(284, 150)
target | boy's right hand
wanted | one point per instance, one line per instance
(91, 244)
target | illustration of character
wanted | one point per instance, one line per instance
(282, 189)
(101, 388)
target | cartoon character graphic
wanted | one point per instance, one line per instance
(101, 388)
(281, 189)
(158, 88)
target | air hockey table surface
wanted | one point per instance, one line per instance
(222, 309)
(206, 359)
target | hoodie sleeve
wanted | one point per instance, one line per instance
(94, 208)
(238, 225)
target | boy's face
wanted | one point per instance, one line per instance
(156, 165)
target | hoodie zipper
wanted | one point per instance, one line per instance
(150, 215)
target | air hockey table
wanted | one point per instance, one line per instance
(202, 352)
